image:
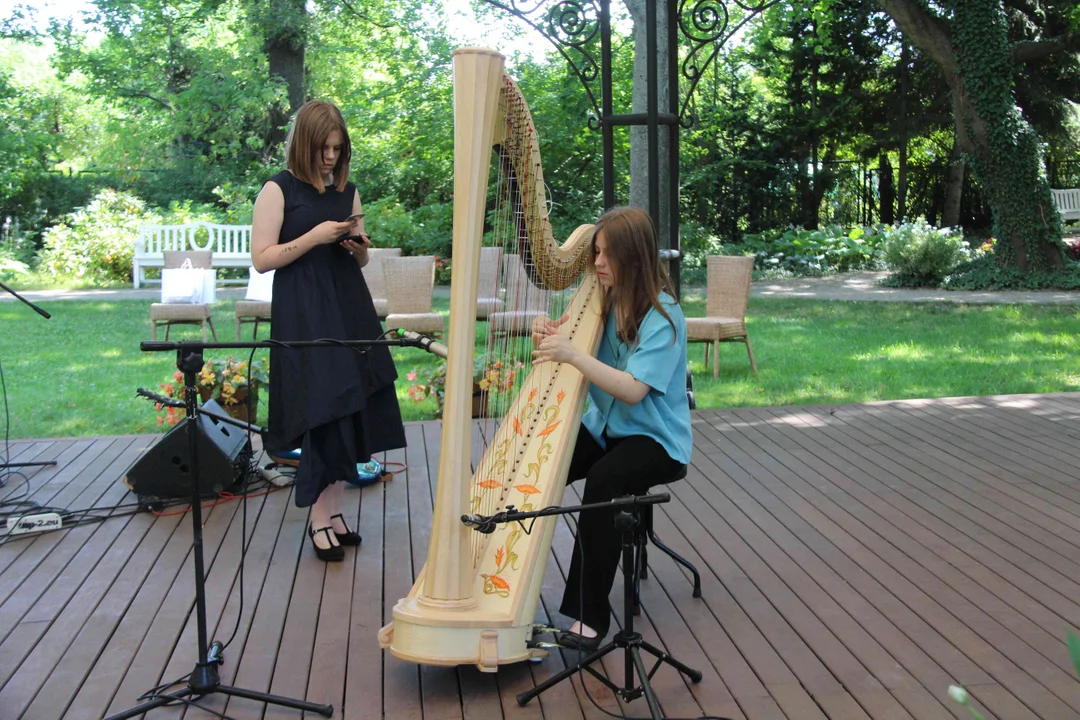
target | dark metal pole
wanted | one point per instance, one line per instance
(607, 131)
(675, 265)
(653, 131)
(901, 184)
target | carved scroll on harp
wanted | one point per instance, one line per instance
(475, 600)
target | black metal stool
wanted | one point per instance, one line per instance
(644, 533)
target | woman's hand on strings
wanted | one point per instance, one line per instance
(555, 348)
(543, 327)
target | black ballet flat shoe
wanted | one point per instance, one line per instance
(334, 553)
(575, 641)
(348, 538)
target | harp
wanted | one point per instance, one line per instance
(475, 600)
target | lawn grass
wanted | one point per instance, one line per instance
(76, 375)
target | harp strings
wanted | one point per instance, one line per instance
(504, 363)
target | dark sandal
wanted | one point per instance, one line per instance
(575, 641)
(334, 553)
(348, 538)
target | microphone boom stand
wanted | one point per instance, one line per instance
(42, 313)
(204, 679)
(628, 520)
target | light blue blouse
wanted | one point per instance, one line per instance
(658, 359)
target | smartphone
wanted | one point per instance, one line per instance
(353, 218)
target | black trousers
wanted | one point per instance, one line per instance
(629, 466)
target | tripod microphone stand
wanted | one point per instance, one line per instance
(204, 679)
(42, 313)
(628, 520)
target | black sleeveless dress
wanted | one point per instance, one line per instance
(337, 405)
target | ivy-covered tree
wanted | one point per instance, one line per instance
(969, 40)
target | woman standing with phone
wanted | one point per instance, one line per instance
(338, 406)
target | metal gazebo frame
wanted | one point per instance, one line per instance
(702, 27)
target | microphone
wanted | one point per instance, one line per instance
(482, 523)
(426, 343)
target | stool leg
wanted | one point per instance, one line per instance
(640, 565)
(679, 559)
(153, 329)
(210, 321)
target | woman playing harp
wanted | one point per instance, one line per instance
(636, 432)
(475, 600)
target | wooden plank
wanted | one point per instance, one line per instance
(249, 590)
(71, 594)
(45, 488)
(991, 579)
(401, 680)
(258, 660)
(160, 648)
(1002, 667)
(855, 560)
(363, 688)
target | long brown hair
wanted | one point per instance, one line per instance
(639, 275)
(303, 148)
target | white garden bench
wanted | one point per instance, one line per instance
(230, 245)
(1068, 203)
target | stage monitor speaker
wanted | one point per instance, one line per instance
(164, 471)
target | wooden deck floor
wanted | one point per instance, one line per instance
(856, 559)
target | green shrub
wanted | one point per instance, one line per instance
(921, 254)
(427, 230)
(987, 273)
(800, 252)
(95, 243)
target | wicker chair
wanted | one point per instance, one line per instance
(410, 282)
(376, 278)
(527, 301)
(255, 307)
(487, 296)
(169, 314)
(725, 308)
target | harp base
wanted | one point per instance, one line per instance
(485, 647)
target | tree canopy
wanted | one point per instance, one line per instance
(804, 119)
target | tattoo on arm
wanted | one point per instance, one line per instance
(288, 248)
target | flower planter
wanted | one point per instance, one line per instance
(239, 409)
(479, 401)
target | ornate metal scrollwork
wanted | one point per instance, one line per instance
(573, 27)
(707, 25)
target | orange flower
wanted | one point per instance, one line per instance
(517, 427)
(527, 489)
(561, 396)
(549, 429)
(499, 557)
(489, 484)
(499, 582)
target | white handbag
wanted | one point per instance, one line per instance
(188, 285)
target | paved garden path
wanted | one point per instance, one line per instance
(849, 286)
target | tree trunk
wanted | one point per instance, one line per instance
(973, 52)
(954, 188)
(886, 191)
(284, 41)
(639, 137)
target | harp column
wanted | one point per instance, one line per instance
(478, 79)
